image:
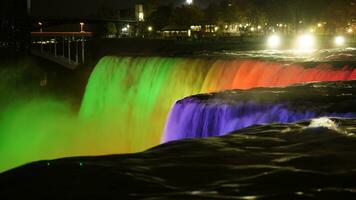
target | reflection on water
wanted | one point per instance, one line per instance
(323, 55)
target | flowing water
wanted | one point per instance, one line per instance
(131, 97)
(127, 102)
(218, 114)
(305, 160)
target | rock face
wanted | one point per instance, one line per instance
(310, 159)
(218, 114)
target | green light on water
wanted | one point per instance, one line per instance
(127, 102)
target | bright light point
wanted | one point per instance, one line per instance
(252, 29)
(312, 30)
(339, 40)
(306, 42)
(320, 25)
(189, 2)
(150, 28)
(349, 30)
(259, 27)
(82, 23)
(125, 29)
(141, 16)
(274, 41)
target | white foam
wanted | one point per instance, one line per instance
(324, 122)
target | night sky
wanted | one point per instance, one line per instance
(80, 8)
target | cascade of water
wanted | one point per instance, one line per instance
(127, 101)
(131, 97)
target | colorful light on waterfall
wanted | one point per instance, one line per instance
(127, 101)
(133, 96)
(189, 119)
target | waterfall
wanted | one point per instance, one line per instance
(130, 98)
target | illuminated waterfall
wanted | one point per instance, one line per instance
(191, 118)
(127, 101)
(130, 97)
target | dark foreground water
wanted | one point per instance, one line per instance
(307, 160)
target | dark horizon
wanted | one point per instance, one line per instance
(74, 8)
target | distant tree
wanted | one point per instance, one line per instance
(161, 18)
(231, 12)
(213, 14)
(108, 13)
(110, 29)
(186, 16)
(151, 6)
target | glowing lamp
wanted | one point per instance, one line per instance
(81, 26)
(141, 16)
(339, 41)
(189, 2)
(274, 41)
(306, 42)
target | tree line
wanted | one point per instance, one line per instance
(256, 12)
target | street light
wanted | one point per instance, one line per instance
(189, 2)
(339, 40)
(150, 28)
(81, 26)
(306, 42)
(274, 41)
(40, 24)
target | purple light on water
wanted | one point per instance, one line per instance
(193, 119)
